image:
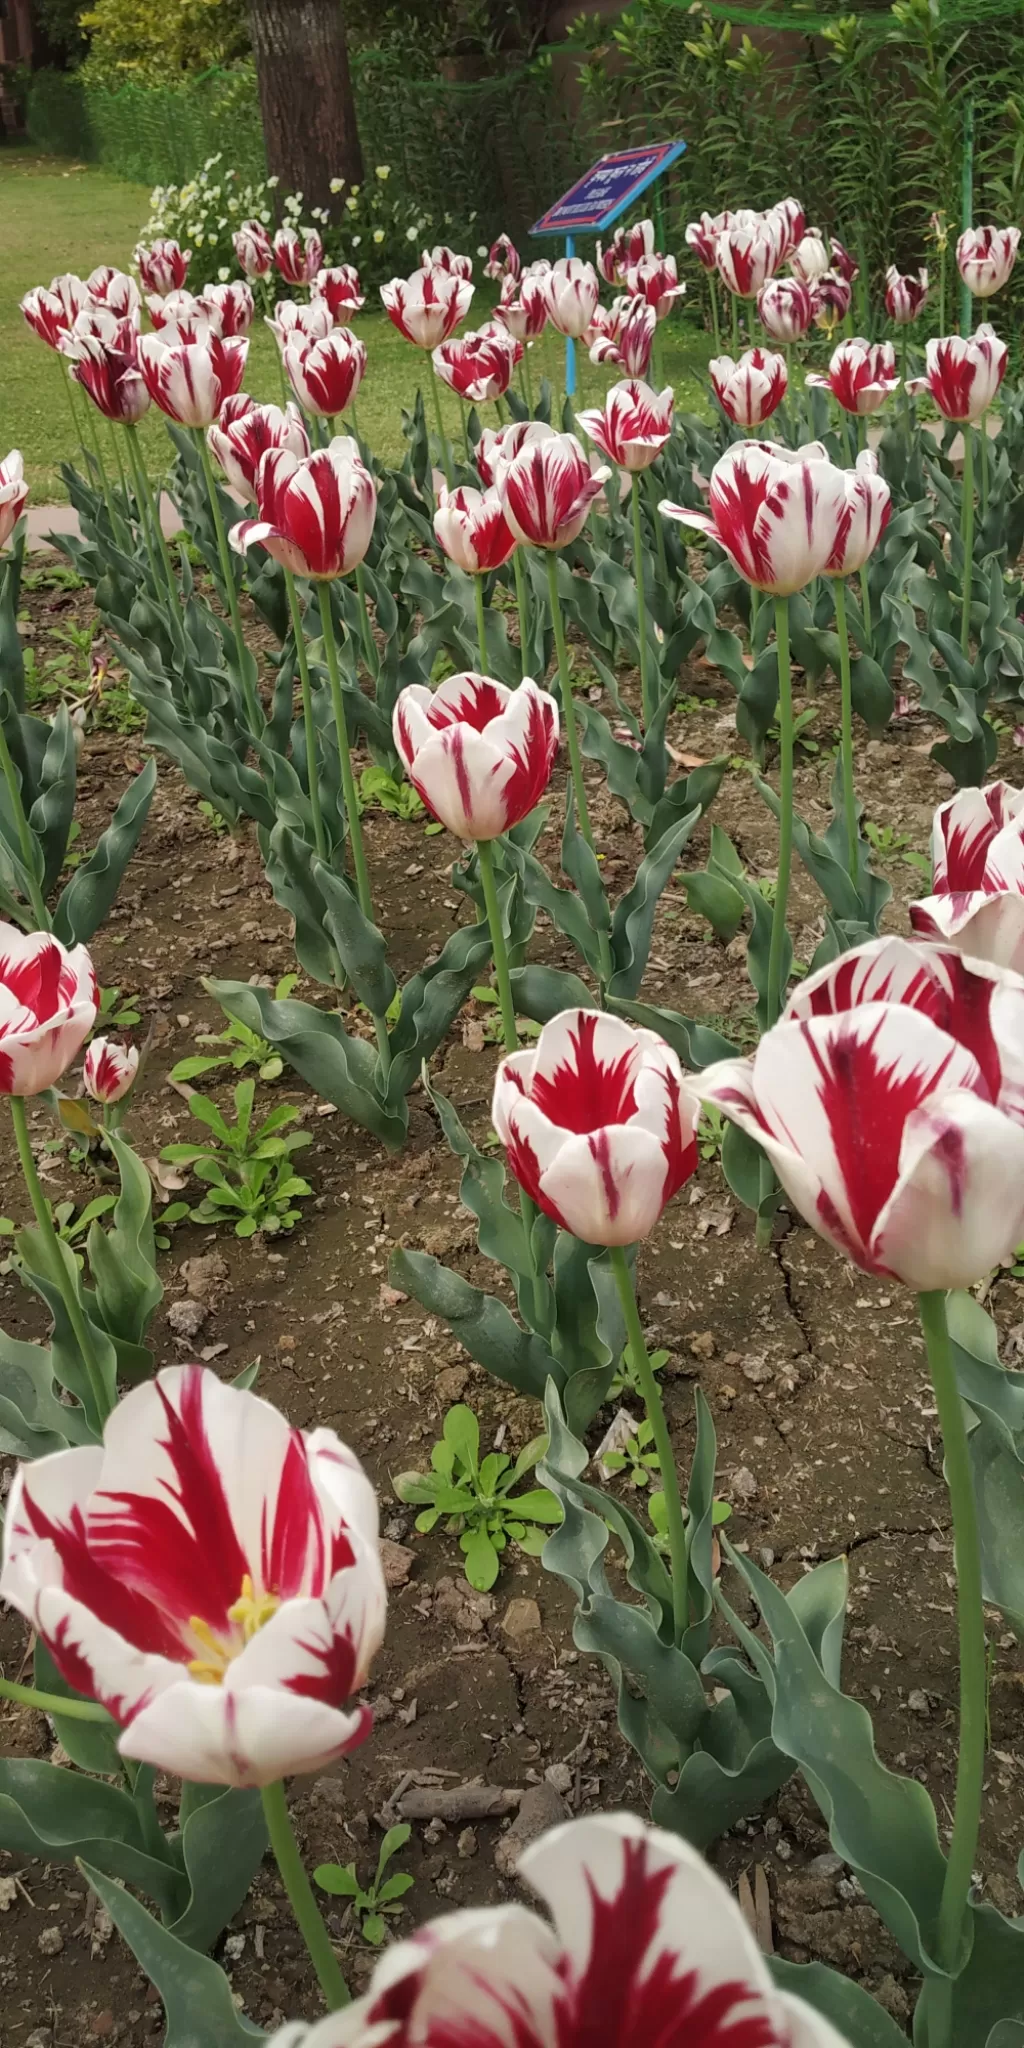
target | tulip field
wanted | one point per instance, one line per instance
(512, 1023)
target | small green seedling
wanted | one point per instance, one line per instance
(892, 845)
(376, 1904)
(626, 1382)
(114, 1010)
(70, 1223)
(476, 1500)
(491, 1002)
(637, 1457)
(214, 819)
(247, 1169)
(710, 1132)
(245, 1048)
(720, 1512)
(381, 790)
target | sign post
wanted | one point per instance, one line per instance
(597, 200)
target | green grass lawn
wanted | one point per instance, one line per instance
(56, 216)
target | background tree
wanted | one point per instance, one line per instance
(305, 82)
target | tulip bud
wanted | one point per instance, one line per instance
(472, 529)
(634, 427)
(985, 257)
(547, 490)
(254, 250)
(810, 259)
(48, 998)
(749, 390)
(163, 266)
(747, 252)
(13, 493)
(571, 289)
(785, 308)
(110, 1069)
(298, 256)
(107, 369)
(503, 260)
(480, 755)
(904, 296)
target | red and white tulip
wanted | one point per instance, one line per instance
(792, 224)
(254, 250)
(448, 261)
(963, 372)
(831, 297)
(985, 258)
(181, 309)
(210, 1575)
(785, 308)
(610, 259)
(106, 367)
(316, 512)
(340, 289)
(977, 900)
(231, 307)
(325, 375)
(702, 237)
(114, 290)
(472, 529)
(629, 339)
(647, 1946)
(189, 381)
(750, 390)
(503, 260)
(46, 314)
(298, 255)
(428, 306)
(548, 489)
(598, 1124)
(523, 306)
(634, 426)
(242, 435)
(571, 291)
(861, 376)
(904, 295)
(844, 265)
(810, 258)
(13, 493)
(656, 280)
(73, 293)
(774, 511)
(292, 320)
(110, 1069)
(478, 366)
(163, 266)
(498, 445)
(48, 1004)
(864, 517)
(479, 755)
(747, 252)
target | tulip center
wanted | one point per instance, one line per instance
(250, 1613)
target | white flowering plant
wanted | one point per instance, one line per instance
(374, 225)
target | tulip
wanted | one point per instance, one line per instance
(503, 260)
(72, 292)
(498, 445)
(831, 297)
(632, 430)
(861, 376)
(476, 366)
(48, 1002)
(109, 1070)
(547, 490)
(298, 256)
(844, 265)
(774, 511)
(656, 280)
(630, 347)
(447, 261)
(479, 755)
(611, 261)
(644, 1934)
(254, 250)
(114, 290)
(702, 237)
(523, 307)
(210, 1575)
(747, 252)
(13, 493)
(904, 296)
(181, 309)
(314, 322)
(571, 290)
(189, 381)
(749, 391)
(963, 373)
(107, 369)
(240, 439)
(472, 529)
(785, 308)
(790, 215)
(340, 290)
(46, 314)
(325, 375)
(977, 900)
(860, 527)
(810, 259)
(428, 306)
(231, 307)
(163, 266)
(985, 257)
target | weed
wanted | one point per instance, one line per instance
(720, 1512)
(637, 1458)
(476, 1498)
(626, 1382)
(889, 844)
(380, 790)
(245, 1048)
(247, 1170)
(376, 1903)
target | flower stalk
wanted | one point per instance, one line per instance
(640, 1361)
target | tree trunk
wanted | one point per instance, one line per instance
(309, 115)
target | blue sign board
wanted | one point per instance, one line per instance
(596, 200)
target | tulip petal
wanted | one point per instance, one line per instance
(608, 1184)
(214, 1735)
(982, 926)
(958, 1207)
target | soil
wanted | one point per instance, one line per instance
(827, 1431)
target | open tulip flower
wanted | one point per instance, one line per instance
(630, 340)
(810, 259)
(316, 512)
(861, 376)
(634, 427)
(747, 252)
(749, 391)
(977, 899)
(472, 529)
(46, 314)
(109, 1070)
(844, 265)
(647, 1946)
(298, 256)
(985, 257)
(498, 445)
(831, 297)
(963, 373)
(73, 293)
(107, 368)
(656, 280)
(571, 291)
(114, 290)
(340, 289)
(503, 260)
(523, 307)
(13, 493)
(904, 295)
(291, 320)
(793, 224)
(448, 261)
(885, 1134)
(48, 1004)
(180, 309)
(478, 366)
(774, 511)
(240, 438)
(785, 308)
(428, 306)
(479, 755)
(189, 381)
(702, 237)
(864, 517)
(254, 250)
(231, 307)
(610, 259)
(209, 1574)
(547, 490)
(325, 375)
(163, 266)
(598, 1124)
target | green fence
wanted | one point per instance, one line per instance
(156, 135)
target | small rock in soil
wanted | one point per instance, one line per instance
(467, 1842)
(397, 1561)
(185, 1318)
(8, 1893)
(743, 1484)
(451, 1384)
(51, 1942)
(559, 1777)
(521, 1618)
(204, 1276)
(540, 1808)
(462, 1605)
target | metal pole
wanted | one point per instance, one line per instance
(570, 345)
(967, 206)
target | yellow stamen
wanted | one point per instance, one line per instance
(250, 1613)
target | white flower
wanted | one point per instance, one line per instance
(223, 274)
(383, 171)
(272, 182)
(411, 234)
(337, 184)
(378, 236)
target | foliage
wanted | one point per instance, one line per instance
(158, 45)
(245, 1048)
(475, 1498)
(376, 1903)
(247, 1169)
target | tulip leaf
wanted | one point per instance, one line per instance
(431, 1000)
(541, 992)
(291, 871)
(564, 907)
(501, 1235)
(995, 1402)
(51, 805)
(988, 1994)
(482, 1323)
(59, 1816)
(856, 2016)
(222, 1840)
(633, 922)
(33, 1421)
(579, 863)
(341, 1068)
(122, 1261)
(696, 1044)
(89, 1744)
(362, 948)
(88, 897)
(12, 657)
(199, 2009)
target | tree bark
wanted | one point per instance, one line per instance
(305, 81)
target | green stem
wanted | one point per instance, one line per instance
(846, 733)
(967, 535)
(659, 528)
(52, 1703)
(481, 622)
(465, 431)
(308, 721)
(26, 836)
(69, 386)
(253, 708)
(146, 524)
(735, 325)
(659, 366)
(59, 1272)
(152, 498)
(485, 855)
(865, 606)
(348, 780)
(716, 324)
(301, 1898)
(778, 939)
(904, 345)
(942, 291)
(983, 475)
(641, 604)
(522, 606)
(651, 1392)
(970, 1776)
(527, 366)
(568, 703)
(369, 650)
(446, 453)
